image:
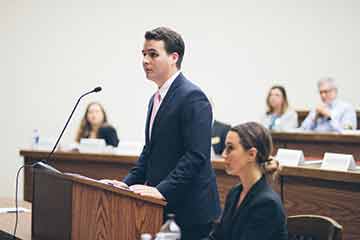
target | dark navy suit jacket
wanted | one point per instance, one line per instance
(176, 159)
(260, 215)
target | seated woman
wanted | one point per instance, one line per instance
(94, 125)
(279, 117)
(252, 209)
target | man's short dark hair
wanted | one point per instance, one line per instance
(172, 40)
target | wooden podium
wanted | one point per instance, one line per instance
(75, 207)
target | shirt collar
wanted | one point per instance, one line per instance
(332, 104)
(165, 87)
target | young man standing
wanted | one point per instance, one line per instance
(175, 162)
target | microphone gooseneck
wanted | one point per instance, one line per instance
(43, 163)
(97, 89)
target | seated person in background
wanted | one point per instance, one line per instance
(252, 209)
(94, 125)
(218, 136)
(279, 117)
(332, 115)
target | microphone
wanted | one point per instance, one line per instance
(43, 163)
(97, 89)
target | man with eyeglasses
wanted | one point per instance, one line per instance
(332, 115)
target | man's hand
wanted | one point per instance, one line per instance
(115, 183)
(322, 111)
(144, 190)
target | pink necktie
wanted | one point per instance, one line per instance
(156, 104)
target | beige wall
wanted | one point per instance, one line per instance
(52, 51)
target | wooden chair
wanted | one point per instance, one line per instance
(313, 227)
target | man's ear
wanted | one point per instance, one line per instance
(175, 57)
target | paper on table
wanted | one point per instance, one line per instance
(13, 210)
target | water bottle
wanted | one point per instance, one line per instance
(35, 139)
(145, 236)
(170, 230)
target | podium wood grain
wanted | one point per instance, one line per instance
(93, 223)
(68, 206)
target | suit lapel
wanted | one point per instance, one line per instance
(147, 125)
(242, 212)
(165, 105)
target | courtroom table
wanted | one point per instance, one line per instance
(308, 189)
(7, 220)
(304, 190)
(316, 144)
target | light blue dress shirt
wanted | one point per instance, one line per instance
(343, 116)
(284, 122)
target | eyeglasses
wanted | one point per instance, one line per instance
(325, 91)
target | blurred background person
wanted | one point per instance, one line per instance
(279, 116)
(219, 131)
(94, 124)
(252, 209)
(332, 114)
(218, 135)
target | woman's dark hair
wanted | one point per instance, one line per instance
(85, 126)
(285, 104)
(172, 40)
(253, 134)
